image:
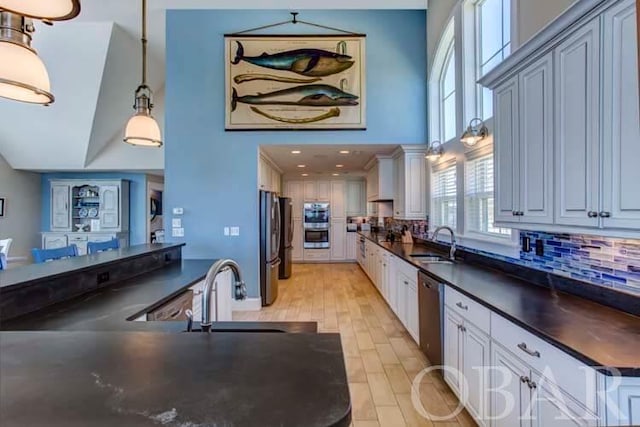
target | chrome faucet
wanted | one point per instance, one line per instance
(452, 252)
(240, 290)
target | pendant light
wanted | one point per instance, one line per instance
(142, 129)
(476, 132)
(23, 75)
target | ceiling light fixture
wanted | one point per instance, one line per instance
(339, 166)
(296, 152)
(344, 152)
(23, 75)
(336, 174)
(142, 129)
(435, 151)
(302, 166)
(476, 132)
(305, 174)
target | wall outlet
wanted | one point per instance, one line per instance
(526, 244)
(539, 247)
(176, 222)
(226, 231)
(235, 231)
(177, 232)
(178, 211)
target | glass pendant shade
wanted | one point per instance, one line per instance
(23, 76)
(142, 129)
(435, 151)
(476, 132)
(50, 10)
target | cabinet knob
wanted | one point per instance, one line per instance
(592, 214)
(524, 379)
(605, 214)
(462, 328)
(406, 283)
(533, 385)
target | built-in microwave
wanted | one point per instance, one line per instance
(316, 238)
(316, 213)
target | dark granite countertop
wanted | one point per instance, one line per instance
(30, 273)
(597, 335)
(109, 308)
(149, 379)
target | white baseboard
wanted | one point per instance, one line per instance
(247, 304)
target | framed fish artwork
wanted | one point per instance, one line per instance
(295, 82)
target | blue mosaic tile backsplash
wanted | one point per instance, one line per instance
(603, 261)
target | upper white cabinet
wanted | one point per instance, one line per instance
(356, 198)
(60, 206)
(567, 131)
(577, 123)
(380, 179)
(317, 191)
(295, 190)
(97, 205)
(410, 192)
(269, 176)
(338, 206)
(621, 174)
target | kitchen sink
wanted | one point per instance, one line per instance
(431, 258)
(235, 330)
(426, 255)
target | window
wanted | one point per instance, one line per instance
(444, 197)
(493, 41)
(479, 199)
(448, 96)
(442, 89)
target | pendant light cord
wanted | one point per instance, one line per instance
(144, 43)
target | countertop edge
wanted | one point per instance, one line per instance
(35, 281)
(605, 370)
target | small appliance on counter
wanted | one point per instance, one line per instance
(352, 227)
(365, 227)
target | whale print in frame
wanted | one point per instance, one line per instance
(295, 82)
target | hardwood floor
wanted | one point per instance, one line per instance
(381, 358)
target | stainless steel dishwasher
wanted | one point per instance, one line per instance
(431, 299)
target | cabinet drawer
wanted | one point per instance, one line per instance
(174, 309)
(474, 312)
(407, 269)
(571, 375)
(317, 254)
(77, 239)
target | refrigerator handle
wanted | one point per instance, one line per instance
(278, 222)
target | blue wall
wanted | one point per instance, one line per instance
(212, 174)
(137, 199)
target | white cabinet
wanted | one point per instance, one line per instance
(324, 191)
(510, 406)
(410, 192)
(337, 199)
(405, 287)
(338, 239)
(295, 190)
(623, 400)
(356, 198)
(452, 349)
(310, 191)
(109, 207)
(577, 100)
(297, 254)
(269, 177)
(317, 191)
(54, 241)
(621, 174)
(352, 246)
(380, 179)
(60, 211)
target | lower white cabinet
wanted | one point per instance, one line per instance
(297, 254)
(338, 239)
(352, 246)
(60, 240)
(624, 407)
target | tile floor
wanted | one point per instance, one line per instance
(381, 358)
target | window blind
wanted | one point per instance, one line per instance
(479, 200)
(443, 197)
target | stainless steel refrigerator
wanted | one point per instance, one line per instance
(270, 221)
(286, 237)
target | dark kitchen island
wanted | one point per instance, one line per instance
(80, 362)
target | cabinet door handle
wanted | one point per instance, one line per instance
(406, 283)
(605, 214)
(462, 306)
(462, 328)
(520, 213)
(524, 379)
(592, 214)
(523, 346)
(514, 213)
(533, 385)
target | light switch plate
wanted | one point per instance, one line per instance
(226, 231)
(177, 232)
(176, 222)
(178, 211)
(235, 231)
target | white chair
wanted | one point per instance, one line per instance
(5, 245)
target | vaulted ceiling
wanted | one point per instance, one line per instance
(94, 68)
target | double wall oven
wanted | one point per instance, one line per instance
(316, 225)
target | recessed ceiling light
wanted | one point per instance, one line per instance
(302, 166)
(305, 174)
(344, 151)
(296, 152)
(339, 166)
(336, 174)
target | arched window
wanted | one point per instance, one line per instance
(442, 89)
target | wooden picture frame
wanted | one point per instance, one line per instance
(295, 82)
